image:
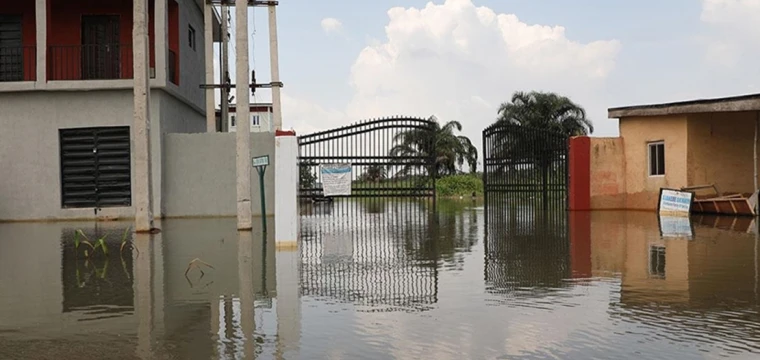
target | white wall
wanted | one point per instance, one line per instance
(199, 175)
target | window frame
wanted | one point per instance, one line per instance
(654, 172)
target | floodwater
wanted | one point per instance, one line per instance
(392, 280)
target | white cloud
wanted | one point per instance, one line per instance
(331, 25)
(733, 32)
(459, 61)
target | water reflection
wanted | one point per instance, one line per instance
(372, 254)
(392, 280)
(526, 251)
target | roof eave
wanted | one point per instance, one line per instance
(728, 104)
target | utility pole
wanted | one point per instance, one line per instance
(225, 78)
(143, 191)
(274, 60)
(243, 125)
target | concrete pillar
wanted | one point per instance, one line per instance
(208, 16)
(245, 277)
(274, 59)
(142, 181)
(286, 228)
(288, 304)
(161, 31)
(41, 14)
(243, 133)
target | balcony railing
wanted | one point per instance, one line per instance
(18, 63)
(90, 62)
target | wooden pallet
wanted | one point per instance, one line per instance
(716, 202)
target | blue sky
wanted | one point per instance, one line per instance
(411, 61)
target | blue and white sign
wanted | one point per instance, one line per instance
(675, 202)
(336, 179)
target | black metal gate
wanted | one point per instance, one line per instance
(525, 167)
(352, 243)
(389, 158)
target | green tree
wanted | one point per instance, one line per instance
(546, 111)
(451, 150)
(307, 177)
(374, 173)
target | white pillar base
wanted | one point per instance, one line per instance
(286, 227)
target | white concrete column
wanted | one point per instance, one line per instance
(40, 13)
(288, 304)
(274, 59)
(142, 181)
(161, 31)
(286, 224)
(208, 39)
(243, 133)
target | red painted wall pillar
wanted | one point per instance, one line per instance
(580, 173)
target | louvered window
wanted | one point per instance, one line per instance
(95, 167)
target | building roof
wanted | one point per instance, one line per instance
(749, 102)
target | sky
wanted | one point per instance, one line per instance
(344, 61)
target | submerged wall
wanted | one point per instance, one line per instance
(199, 178)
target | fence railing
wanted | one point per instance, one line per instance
(18, 63)
(90, 62)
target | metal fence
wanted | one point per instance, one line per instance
(526, 167)
(18, 63)
(90, 62)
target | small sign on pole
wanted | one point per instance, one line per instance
(260, 163)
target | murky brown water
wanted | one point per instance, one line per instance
(615, 285)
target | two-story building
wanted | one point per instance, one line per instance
(66, 101)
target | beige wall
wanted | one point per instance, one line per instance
(641, 189)
(607, 178)
(721, 150)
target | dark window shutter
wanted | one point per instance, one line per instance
(95, 167)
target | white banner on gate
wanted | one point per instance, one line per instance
(336, 179)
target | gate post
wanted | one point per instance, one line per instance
(286, 224)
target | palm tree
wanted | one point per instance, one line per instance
(533, 129)
(451, 151)
(547, 111)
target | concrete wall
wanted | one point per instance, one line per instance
(199, 174)
(597, 174)
(608, 174)
(720, 150)
(192, 70)
(29, 145)
(642, 190)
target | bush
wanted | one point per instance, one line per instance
(459, 185)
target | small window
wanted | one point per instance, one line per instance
(191, 36)
(255, 120)
(232, 120)
(657, 159)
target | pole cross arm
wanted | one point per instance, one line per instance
(250, 2)
(270, 85)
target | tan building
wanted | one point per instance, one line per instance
(670, 145)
